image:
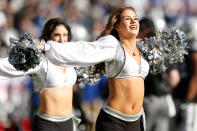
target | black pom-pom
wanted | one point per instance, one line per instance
(23, 54)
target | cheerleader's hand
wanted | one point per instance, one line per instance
(40, 47)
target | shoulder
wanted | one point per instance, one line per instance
(109, 39)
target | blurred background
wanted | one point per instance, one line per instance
(87, 18)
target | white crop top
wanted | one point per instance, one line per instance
(131, 68)
(50, 75)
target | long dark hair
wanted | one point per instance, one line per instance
(147, 28)
(51, 25)
(110, 29)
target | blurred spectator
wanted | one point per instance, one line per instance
(158, 104)
(186, 95)
(191, 111)
(7, 31)
(174, 9)
(3, 19)
(14, 104)
(140, 6)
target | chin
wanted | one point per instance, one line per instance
(134, 34)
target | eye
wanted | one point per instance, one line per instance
(126, 18)
(56, 34)
(136, 19)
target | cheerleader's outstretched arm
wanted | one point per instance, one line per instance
(8, 71)
(81, 53)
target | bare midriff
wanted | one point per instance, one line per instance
(126, 95)
(56, 101)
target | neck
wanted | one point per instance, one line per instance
(131, 43)
(130, 46)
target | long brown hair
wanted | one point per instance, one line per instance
(113, 21)
(110, 29)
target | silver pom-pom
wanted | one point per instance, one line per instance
(23, 54)
(87, 75)
(167, 47)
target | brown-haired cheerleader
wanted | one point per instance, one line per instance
(116, 52)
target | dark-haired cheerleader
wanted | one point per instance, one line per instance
(56, 93)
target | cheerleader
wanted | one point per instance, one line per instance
(116, 52)
(56, 92)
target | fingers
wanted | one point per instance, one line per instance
(40, 47)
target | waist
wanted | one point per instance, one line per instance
(126, 96)
(122, 116)
(55, 118)
(57, 85)
(55, 110)
(130, 75)
(56, 101)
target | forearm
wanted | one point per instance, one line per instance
(192, 89)
(8, 71)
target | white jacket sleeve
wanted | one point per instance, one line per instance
(8, 71)
(82, 53)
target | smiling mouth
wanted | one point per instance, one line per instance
(133, 27)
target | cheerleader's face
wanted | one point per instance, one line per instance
(60, 34)
(129, 24)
